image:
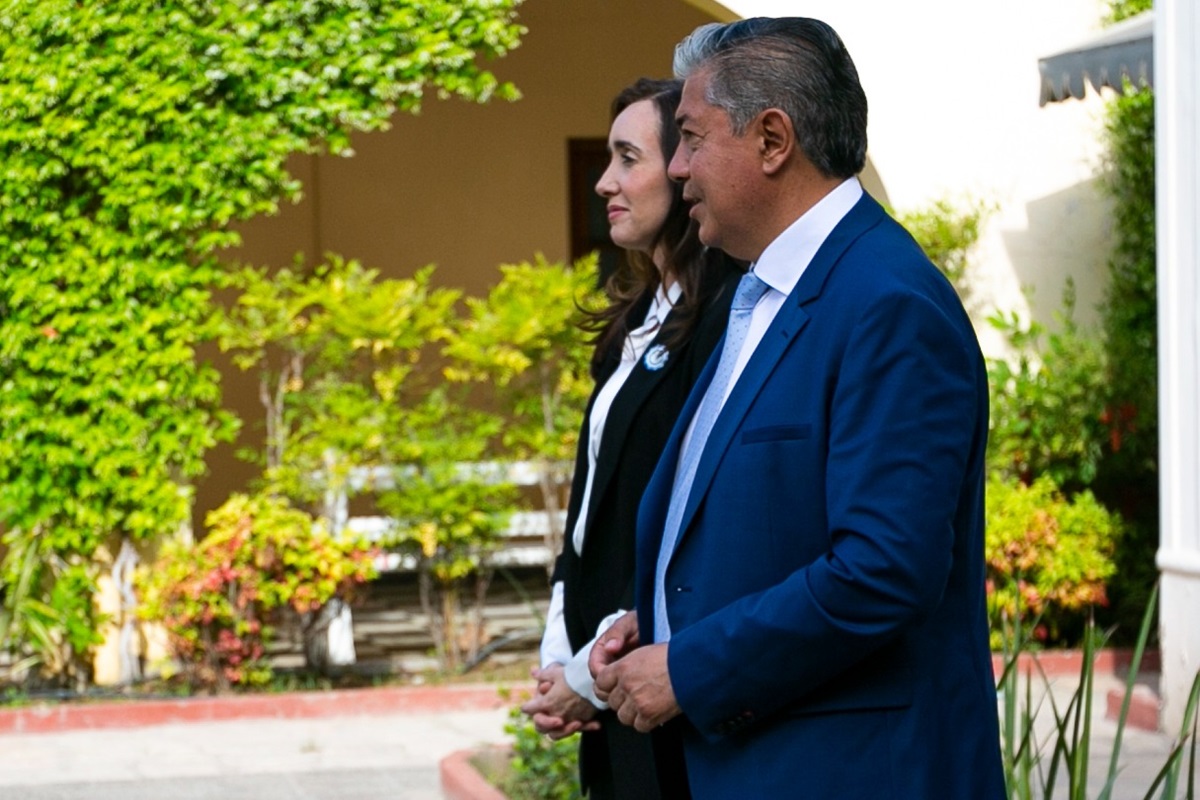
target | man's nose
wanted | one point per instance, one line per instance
(678, 168)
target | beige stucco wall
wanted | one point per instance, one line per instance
(468, 187)
(461, 186)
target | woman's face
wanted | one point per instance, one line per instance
(635, 184)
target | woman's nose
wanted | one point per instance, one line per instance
(607, 185)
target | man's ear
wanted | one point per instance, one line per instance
(777, 139)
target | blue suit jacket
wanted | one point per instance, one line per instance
(826, 595)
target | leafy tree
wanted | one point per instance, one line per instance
(524, 338)
(133, 135)
(340, 359)
(351, 380)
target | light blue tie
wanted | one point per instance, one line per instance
(750, 290)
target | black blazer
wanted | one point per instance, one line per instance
(601, 579)
(617, 761)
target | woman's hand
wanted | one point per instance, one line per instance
(556, 710)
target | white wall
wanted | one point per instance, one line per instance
(1177, 121)
(953, 92)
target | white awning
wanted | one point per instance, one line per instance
(1124, 50)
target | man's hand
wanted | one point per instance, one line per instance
(638, 688)
(556, 710)
(618, 640)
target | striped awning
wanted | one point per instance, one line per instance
(1124, 50)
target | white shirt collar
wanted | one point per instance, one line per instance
(785, 259)
(664, 300)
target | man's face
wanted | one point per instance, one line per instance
(719, 171)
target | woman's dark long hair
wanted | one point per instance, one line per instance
(698, 271)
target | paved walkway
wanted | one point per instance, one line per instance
(389, 748)
(393, 755)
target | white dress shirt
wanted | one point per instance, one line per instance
(780, 267)
(556, 646)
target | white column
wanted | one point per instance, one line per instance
(1177, 83)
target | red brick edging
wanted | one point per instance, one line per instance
(1111, 661)
(1144, 703)
(462, 781)
(49, 717)
(87, 715)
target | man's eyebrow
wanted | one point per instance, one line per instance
(681, 120)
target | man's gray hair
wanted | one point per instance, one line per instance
(796, 65)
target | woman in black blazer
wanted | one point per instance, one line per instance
(669, 306)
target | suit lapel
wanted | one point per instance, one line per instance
(787, 325)
(652, 513)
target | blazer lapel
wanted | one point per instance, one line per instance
(629, 399)
(786, 326)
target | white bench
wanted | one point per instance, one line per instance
(524, 542)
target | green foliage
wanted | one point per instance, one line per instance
(133, 135)
(1048, 557)
(1128, 480)
(947, 234)
(342, 359)
(1049, 411)
(449, 514)
(352, 381)
(524, 337)
(540, 769)
(1123, 9)
(1130, 307)
(47, 607)
(219, 600)
(524, 340)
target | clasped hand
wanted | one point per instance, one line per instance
(632, 679)
(555, 709)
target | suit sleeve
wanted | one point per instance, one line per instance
(902, 420)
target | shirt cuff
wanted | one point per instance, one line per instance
(579, 677)
(576, 671)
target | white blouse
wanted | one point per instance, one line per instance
(556, 647)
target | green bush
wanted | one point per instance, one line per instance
(1129, 476)
(540, 768)
(1049, 411)
(221, 599)
(1048, 557)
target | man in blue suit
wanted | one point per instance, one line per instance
(810, 606)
